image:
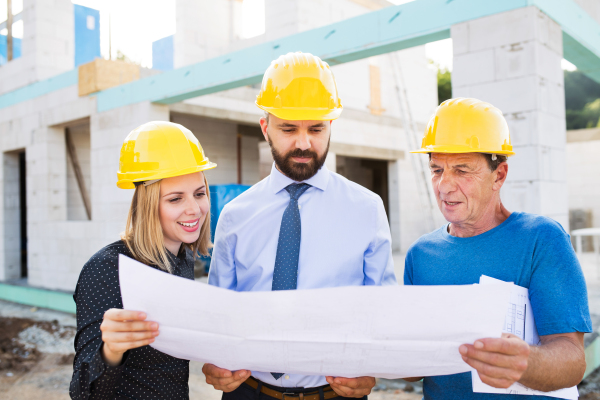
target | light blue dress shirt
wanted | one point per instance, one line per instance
(345, 241)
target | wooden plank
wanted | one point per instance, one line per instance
(102, 74)
(78, 174)
(375, 81)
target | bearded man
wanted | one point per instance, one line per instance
(302, 227)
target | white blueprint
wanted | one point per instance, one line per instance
(520, 322)
(389, 332)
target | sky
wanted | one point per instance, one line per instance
(135, 24)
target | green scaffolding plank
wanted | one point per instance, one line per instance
(38, 297)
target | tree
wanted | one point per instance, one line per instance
(582, 101)
(444, 85)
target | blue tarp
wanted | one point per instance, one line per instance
(220, 195)
(16, 48)
(162, 54)
(87, 34)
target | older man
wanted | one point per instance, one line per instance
(468, 142)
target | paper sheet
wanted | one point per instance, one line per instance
(519, 321)
(388, 332)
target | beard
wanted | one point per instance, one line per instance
(298, 171)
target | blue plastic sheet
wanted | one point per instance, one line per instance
(220, 195)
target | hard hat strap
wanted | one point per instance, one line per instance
(494, 158)
(146, 183)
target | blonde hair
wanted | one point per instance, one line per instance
(143, 232)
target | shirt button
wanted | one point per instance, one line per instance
(287, 377)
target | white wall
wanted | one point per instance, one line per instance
(583, 177)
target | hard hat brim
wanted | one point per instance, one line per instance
(460, 149)
(303, 114)
(125, 183)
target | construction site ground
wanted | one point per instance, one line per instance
(36, 352)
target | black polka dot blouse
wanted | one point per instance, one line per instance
(145, 373)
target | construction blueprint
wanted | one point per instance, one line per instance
(388, 332)
(520, 322)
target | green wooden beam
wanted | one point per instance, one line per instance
(42, 298)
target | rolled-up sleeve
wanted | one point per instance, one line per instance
(378, 260)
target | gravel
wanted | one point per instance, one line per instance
(60, 341)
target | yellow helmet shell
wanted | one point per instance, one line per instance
(157, 150)
(300, 86)
(465, 125)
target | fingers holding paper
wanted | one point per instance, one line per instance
(351, 387)
(223, 379)
(499, 362)
(124, 330)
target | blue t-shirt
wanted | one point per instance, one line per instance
(530, 250)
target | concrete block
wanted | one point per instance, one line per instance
(549, 33)
(510, 96)
(515, 60)
(460, 38)
(473, 68)
(506, 28)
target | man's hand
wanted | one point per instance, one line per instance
(499, 362)
(351, 387)
(223, 379)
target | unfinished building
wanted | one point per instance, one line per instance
(60, 140)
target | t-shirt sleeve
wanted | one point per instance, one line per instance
(557, 289)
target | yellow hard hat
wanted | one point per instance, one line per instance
(299, 86)
(464, 125)
(158, 150)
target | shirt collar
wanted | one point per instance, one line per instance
(278, 181)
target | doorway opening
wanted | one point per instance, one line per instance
(370, 173)
(23, 212)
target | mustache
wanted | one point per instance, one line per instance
(302, 153)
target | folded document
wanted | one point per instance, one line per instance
(387, 332)
(520, 322)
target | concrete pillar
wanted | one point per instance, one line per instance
(512, 60)
(49, 36)
(48, 44)
(204, 29)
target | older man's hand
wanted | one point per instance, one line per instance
(351, 387)
(499, 362)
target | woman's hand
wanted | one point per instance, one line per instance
(123, 330)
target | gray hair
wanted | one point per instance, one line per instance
(493, 160)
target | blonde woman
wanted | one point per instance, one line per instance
(167, 225)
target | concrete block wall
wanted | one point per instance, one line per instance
(219, 141)
(583, 177)
(200, 34)
(48, 44)
(513, 61)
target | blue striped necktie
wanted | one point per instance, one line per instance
(285, 274)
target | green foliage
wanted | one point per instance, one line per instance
(582, 100)
(444, 85)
